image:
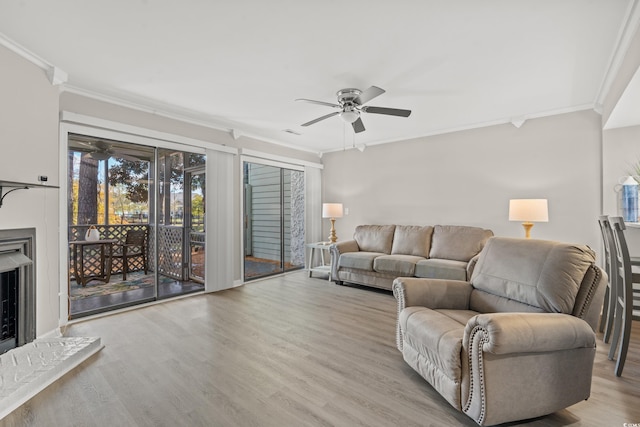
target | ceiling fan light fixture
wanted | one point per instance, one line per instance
(100, 155)
(349, 116)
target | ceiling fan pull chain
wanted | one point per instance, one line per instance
(344, 136)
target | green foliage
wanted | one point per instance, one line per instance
(134, 177)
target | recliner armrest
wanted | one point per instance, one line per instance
(513, 359)
(509, 333)
(431, 293)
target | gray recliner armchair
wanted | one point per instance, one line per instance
(517, 341)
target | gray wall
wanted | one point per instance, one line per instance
(621, 147)
(621, 152)
(92, 107)
(468, 178)
(29, 148)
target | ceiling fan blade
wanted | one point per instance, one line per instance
(387, 111)
(335, 113)
(84, 144)
(120, 155)
(369, 94)
(358, 126)
(327, 104)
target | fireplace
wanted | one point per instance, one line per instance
(17, 288)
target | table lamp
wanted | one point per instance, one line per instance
(332, 211)
(528, 211)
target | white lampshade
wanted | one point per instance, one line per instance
(332, 210)
(529, 210)
(349, 116)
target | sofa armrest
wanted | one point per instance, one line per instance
(340, 248)
(345, 246)
(431, 293)
(509, 333)
(471, 265)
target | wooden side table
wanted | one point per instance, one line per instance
(106, 252)
(323, 267)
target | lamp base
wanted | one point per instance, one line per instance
(527, 229)
(332, 234)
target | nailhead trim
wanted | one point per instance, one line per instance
(484, 339)
(398, 293)
(592, 289)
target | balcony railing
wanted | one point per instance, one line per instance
(170, 247)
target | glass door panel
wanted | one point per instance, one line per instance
(195, 224)
(273, 220)
(263, 221)
(110, 189)
(181, 211)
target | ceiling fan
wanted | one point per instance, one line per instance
(351, 105)
(102, 150)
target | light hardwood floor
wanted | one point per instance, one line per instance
(287, 351)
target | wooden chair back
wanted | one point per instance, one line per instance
(136, 238)
(624, 298)
(611, 268)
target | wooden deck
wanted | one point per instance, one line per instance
(286, 351)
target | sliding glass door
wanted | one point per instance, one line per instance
(273, 219)
(109, 209)
(136, 223)
(181, 233)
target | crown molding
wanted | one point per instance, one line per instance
(55, 75)
(98, 123)
(147, 107)
(236, 130)
(625, 36)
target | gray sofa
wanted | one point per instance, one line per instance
(516, 341)
(380, 253)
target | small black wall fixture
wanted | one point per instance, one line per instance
(15, 186)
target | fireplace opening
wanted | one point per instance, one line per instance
(9, 320)
(17, 288)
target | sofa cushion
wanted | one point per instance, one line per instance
(374, 238)
(358, 260)
(458, 243)
(402, 265)
(441, 269)
(412, 240)
(437, 335)
(539, 273)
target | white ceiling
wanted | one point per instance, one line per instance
(240, 64)
(627, 109)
